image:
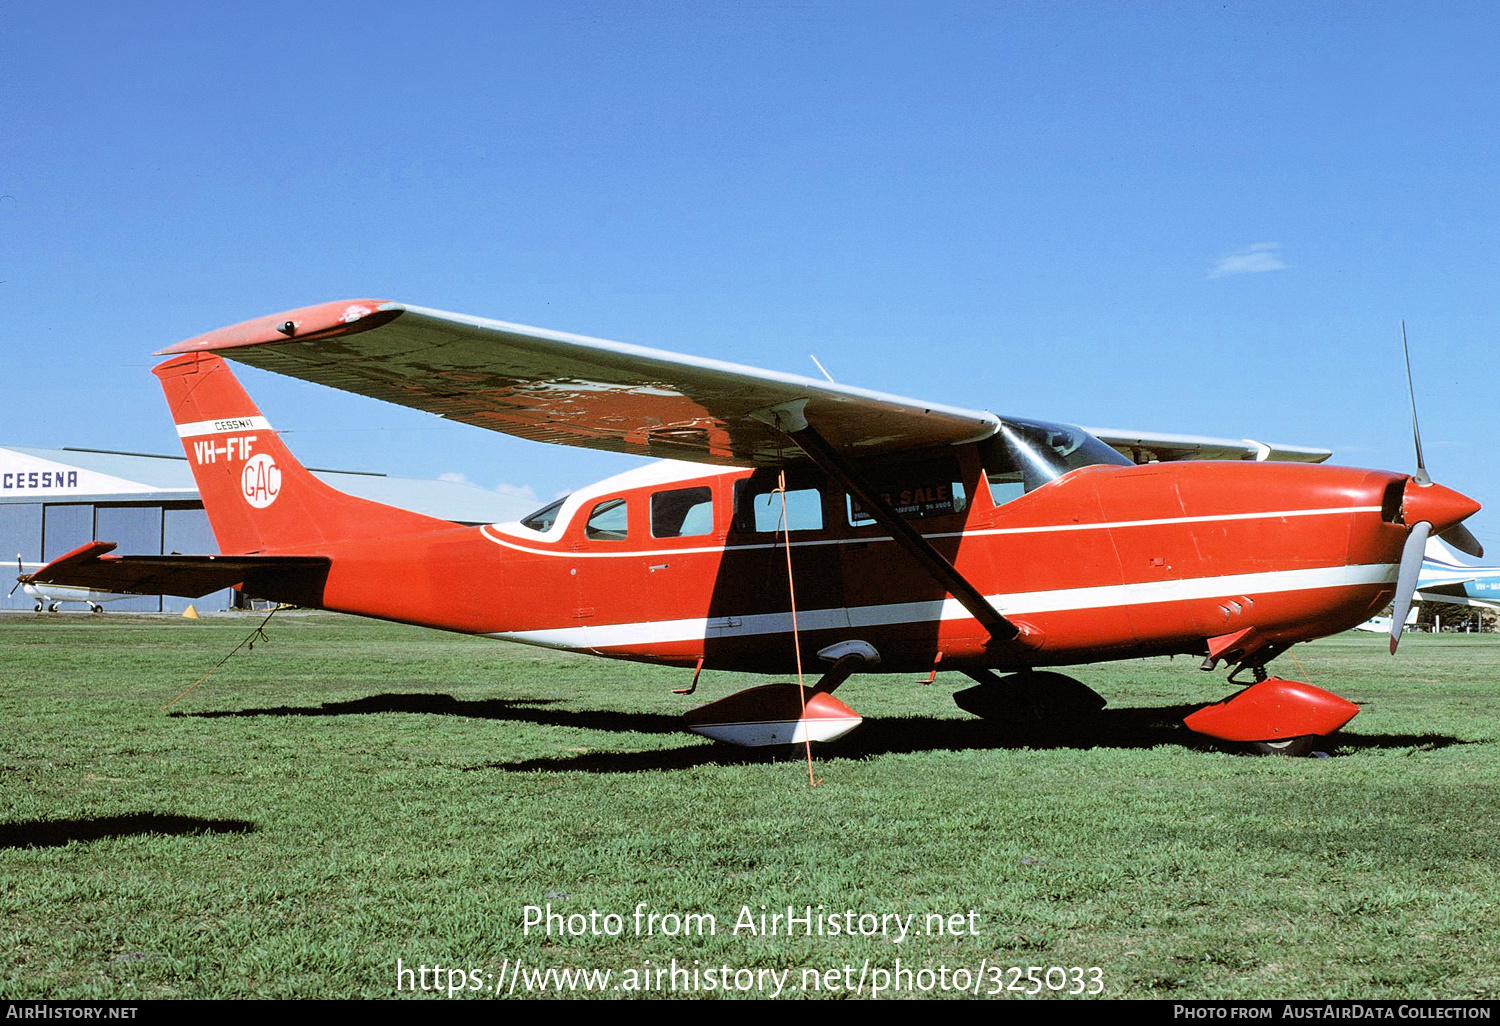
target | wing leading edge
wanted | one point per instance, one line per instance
(551, 386)
(555, 387)
(1140, 447)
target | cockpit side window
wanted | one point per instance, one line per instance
(1026, 454)
(916, 490)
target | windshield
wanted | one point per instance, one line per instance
(544, 518)
(1026, 454)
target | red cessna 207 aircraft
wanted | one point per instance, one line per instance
(916, 536)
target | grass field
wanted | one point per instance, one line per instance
(351, 794)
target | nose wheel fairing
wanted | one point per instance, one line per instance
(1273, 711)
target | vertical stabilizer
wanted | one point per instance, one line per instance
(258, 497)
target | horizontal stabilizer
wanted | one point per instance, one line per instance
(296, 579)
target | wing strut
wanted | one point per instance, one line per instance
(788, 419)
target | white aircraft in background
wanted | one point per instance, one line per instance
(1446, 579)
(1382, 624)
(51, 596)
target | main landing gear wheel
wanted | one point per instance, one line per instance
(786, 714)
(1037, 702)
(1292, 746)
(38, 607)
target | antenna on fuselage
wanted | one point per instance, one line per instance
(814, 359)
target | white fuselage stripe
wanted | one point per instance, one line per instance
(1101, 597)
(222, 426)
(508, 543)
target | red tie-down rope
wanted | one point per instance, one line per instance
(791, 587)
(258, 633)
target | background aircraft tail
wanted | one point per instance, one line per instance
(258, 497)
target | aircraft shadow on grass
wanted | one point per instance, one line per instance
(1119, 729)
(1134, 728)
(55, 833)
(532, 710)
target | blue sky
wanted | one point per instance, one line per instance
(1183, 217)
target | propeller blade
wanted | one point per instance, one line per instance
(20, 573)
(1411, 393)
(1463, 540)
(1406, 580)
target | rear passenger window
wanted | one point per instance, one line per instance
(682, 513)
(759, 508)
(610, 521)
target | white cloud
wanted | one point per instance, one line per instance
(517, 491)
(1256, 259)
(514, 491)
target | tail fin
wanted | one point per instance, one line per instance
(258, 497)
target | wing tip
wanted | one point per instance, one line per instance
(323, 320)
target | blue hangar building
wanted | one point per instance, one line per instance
(54, 500)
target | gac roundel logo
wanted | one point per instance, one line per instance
(260, 480)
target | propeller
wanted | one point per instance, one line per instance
(1406, 581)
(1458, 535)
(20, 573)
(1415, 546)
(1420, 477)
(1462, 539)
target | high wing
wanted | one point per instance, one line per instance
(1146, 448)
(555, 387)
(90, 566)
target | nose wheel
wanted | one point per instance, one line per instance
(1296, 747)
